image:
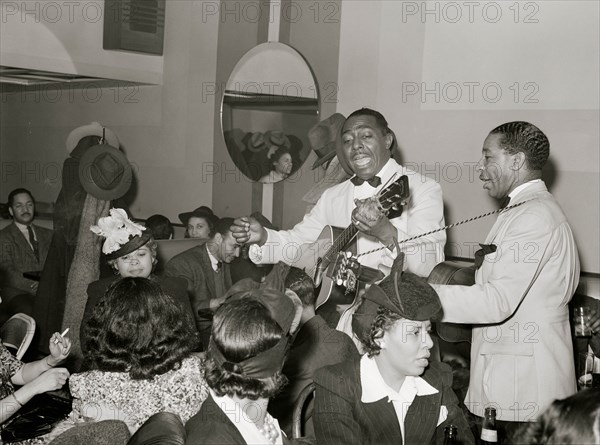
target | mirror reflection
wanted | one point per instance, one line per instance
(270, 103)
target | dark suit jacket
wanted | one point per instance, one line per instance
(316, 345)
(341, 418)
(175, 287)
(16, 257)
(210, 426)
(203, 283)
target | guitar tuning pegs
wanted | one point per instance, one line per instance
(348, 255)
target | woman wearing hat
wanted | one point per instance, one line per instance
(199, 223)
(243, 371)
(352, 402)
(131, 251)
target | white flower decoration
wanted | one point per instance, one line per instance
(117, 229)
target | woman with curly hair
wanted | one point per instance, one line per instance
(393, 394)
(243, 371)
(139, 358)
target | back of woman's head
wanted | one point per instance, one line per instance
(241, 330)
(574, 420)
(137, 328)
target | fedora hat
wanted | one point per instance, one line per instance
(200, 212)
(277, 138)
(104, 172)
(92, 129)
(334, 174)
(256, 142)
(325, 136)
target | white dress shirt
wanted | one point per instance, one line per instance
(374, 389)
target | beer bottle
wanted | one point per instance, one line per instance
(450, 433)
(489, 433)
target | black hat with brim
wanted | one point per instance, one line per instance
(133, 244)
(200, 212)
(403, 293)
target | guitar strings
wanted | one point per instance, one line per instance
(449, 226)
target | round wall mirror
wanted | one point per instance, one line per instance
(270, 103)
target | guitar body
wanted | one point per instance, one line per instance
(309, 259)
(451, 272)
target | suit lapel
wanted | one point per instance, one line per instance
(421, 418)
(384, 426)
(22, 243)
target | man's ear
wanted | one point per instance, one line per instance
(10, 210)
(389, 140)
(518, 161)
(218, 238)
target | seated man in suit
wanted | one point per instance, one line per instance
(206, 270)
(315, 345)
(352, 399)
(23, 248)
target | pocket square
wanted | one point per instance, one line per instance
(443, 415)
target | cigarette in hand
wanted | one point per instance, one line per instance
(62, 335)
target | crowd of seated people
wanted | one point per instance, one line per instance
(235, 377)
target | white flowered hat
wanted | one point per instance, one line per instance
(122, 235)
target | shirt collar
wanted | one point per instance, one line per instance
(522, 187)
(374, 387)
(213, 261)
(385, 173)
(21, 227)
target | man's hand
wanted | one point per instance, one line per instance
(369, 218)
(247, 230)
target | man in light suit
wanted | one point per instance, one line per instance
(23, 248)
(522, 356)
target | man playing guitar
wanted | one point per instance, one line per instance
(365, 148)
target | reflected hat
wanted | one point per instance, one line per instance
(122, 236)
(256, 142)
(200, 212)
(92, 129)
(325, 136)
(403, 293)
(277, 138)
(104, 172)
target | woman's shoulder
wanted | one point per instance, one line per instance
(340, 373)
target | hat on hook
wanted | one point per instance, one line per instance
(92, 129)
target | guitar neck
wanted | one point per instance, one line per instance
(339, 243)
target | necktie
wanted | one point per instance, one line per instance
(486, 249)
(219, 266)
(33, 242)
(375, 181)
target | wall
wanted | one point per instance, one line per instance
(166, 131)
(66, 37)
(410, 49)
(312, 28)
